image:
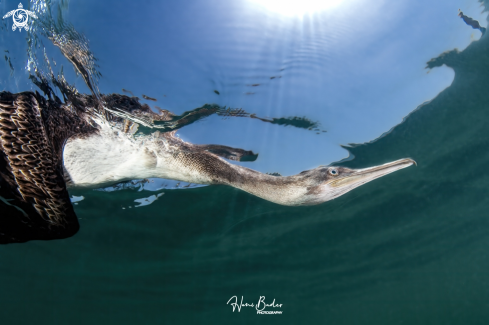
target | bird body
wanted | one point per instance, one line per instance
(47, 147)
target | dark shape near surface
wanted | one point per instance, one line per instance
(472, 22)
(216, 92)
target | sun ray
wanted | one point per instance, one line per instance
(297, 7)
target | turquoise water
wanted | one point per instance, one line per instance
(410, 248)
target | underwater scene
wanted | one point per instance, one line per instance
(244, 162)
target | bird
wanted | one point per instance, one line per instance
(48, 146)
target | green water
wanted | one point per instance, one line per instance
(410, 248)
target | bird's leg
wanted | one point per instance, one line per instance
(230, 153)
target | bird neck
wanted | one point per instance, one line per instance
(282, 190)
(206, 168)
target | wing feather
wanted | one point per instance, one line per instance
(31, 177)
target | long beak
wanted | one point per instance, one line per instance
(365, 175)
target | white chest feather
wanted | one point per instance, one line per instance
(106, 158)
(112, 156)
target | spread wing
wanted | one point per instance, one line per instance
(10, 13)
(33, 198)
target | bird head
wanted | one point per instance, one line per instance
(326, 183)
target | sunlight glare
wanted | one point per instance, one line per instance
(297, 7)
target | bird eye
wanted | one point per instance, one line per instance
(333, 171)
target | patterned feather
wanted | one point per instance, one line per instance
(33, 197)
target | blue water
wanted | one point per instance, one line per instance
(407, 248)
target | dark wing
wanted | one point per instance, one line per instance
(34, 202)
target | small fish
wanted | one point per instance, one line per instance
(216, 92)
(249, 93)
(149, 98)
